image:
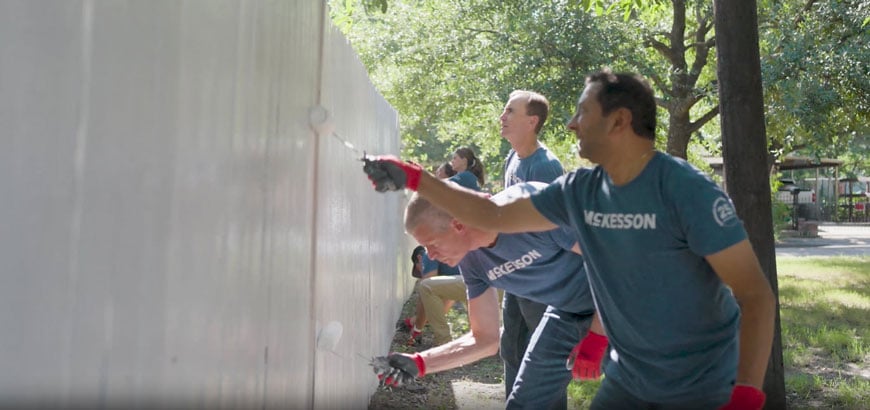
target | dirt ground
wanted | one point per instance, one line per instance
(475, 386)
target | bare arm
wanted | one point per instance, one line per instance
(738, 267)
(481, 213)
(596, 325)
(481, 342)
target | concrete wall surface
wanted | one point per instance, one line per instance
(173, 232)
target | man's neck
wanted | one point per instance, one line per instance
(629, 163)
(527, 146)
(483, 239)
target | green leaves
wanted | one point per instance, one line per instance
(817, 81)
(448, 66)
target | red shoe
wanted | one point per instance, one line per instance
(405, 324)
(416, 338)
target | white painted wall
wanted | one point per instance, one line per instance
(172, 232)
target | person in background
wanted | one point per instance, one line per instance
(445, 171)
(469, 169)
(528, 160)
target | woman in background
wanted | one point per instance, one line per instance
(468, 168)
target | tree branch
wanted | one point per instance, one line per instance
(662, 103)
(800, 17)
(660, 84)
(663, 49)
(709, 115)
(484, 30)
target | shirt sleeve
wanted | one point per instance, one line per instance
(563, 237)
(550, 201)
(546, 172)
(707, 215)
(473, 284)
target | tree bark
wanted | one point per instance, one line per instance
(678, 133)
(745, 152)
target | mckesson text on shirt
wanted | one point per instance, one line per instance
(620, 221)
(510, 266)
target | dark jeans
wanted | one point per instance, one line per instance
(612, 396)
(520, 317)
(542, 379)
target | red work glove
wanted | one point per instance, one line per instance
(745, 397)
(585, 359)
(389, 173)
(397, 369)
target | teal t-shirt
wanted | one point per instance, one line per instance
(539, 266)
(466, 179)
(541, 166)
(672, 322)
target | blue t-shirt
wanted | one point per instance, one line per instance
(443, 269)
(669, 317)
(539, 266)
(466, 179)
(541, 166)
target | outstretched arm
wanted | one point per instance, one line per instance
(481, 342)
(481, 213)
(389, 173)
(738, 267)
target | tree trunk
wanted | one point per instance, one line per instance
(678, 133)
(745, 152)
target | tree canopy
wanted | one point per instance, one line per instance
(817, 79)
(448, 66)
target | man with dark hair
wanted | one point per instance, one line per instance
(667, 257)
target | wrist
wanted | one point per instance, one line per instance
(421, 364)
(596, 338)
(745, 396)
(594, 344)
(413, 173)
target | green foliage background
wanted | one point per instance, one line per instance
(448, 66)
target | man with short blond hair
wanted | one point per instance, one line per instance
(528, 160)
(545, 267)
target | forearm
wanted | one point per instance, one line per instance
(467, 207)
(596, 325)
(756, 336)
(464, 350)
(475, 210)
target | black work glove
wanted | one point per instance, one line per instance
(389, 173)
(397, 369)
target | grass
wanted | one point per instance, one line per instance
(825, 313)
(825, 318)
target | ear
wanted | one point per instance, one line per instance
(533, 121)
(457, 226)
(621, 120)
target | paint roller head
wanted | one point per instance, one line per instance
(320, 120)
(328, 337)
